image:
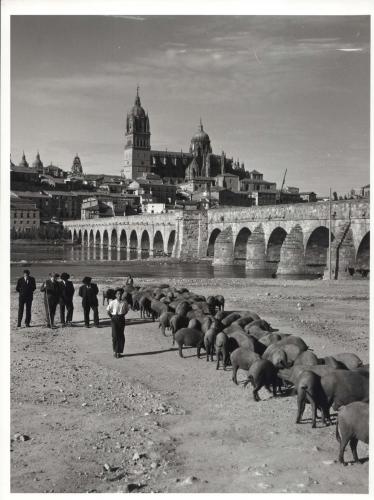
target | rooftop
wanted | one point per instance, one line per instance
(23, 170)
(29, 194)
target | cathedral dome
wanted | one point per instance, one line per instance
(38, 164)
(200, 136)
(137, 110)
(137, 119)
(23, 162)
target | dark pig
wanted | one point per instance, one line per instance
(309, 389)
(263, 373)
(220, 302)
(343, 387)
(349, 359)
(242, 358)
(352, 426)
(189, 337)
(222, 346)
(164, 321)
(306, 358)
(176, 323)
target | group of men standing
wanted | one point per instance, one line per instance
(58, 290)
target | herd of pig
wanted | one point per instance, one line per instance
(276, 361)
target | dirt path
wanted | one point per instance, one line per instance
(84, 409)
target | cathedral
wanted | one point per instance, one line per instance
(173, 167)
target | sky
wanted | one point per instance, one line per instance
(275, 92)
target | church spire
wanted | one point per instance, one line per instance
(137, 98)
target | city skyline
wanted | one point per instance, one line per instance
(276, 92)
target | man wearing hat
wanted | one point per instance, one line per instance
(66, 299)
(52, 292)
(25, 287)
(88, 291)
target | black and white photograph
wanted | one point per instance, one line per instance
(187, 208)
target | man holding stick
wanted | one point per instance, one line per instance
(52, 291)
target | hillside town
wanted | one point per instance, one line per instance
(151, 181)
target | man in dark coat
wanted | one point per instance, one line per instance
(66, 299)
(52, 292)
(25, 287)
(88, 291)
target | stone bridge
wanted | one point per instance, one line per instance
(279, 239)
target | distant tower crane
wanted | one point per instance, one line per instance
(281, 189)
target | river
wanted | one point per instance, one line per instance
(103, 262)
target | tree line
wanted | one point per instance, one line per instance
(44, 232)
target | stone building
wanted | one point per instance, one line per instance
(76, 168)
(137, 142)
(172, 167)
(24, 216)
(256, 183)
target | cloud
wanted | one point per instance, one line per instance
(132, 18)
(351, 50)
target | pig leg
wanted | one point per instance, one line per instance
(218, 356)
(198, 353)
(343, 444)
(256, 397)
(224, 357)
(300, 406)
(274, 384)
(314, 412)
(234, 372)
(180, 351)
(353, 444)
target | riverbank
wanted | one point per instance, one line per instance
(151, 421)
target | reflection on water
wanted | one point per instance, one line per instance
(109, 262)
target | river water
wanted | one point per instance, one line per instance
(110, 263)
(104, 262)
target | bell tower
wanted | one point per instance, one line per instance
(137, 142)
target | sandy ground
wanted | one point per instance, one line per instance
(153, 422)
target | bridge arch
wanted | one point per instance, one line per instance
(114, 238)
(158, 245)
(171, 242)
(123, 239)
(85, 237)
(133, 245)
(80, 236)
(105, 241)
(363, 255)
(274, 245)
(75, 236)
(145, 245)
(240, 247)
(316, 250)
(98, 238)
(91, 238)
(70, 235)
(212, 241)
